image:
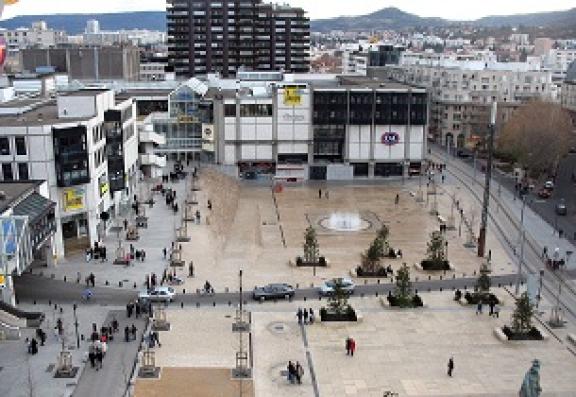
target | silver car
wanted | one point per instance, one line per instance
(273, 291)
(158, 294)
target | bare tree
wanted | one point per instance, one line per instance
(537, 135)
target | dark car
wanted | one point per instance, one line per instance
(544, 193)
(561, 208)
(273, 291)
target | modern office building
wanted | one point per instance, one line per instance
(229, 35)
(569, 90)
(296, 127)
(89, 157)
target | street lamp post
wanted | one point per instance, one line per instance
(74, 307)
(520, 260)
(540, 288)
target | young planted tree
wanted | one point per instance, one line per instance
(371, 258)
(403, 292)
(338, 301)
(311, 248)
(383, 235)
(484, 283)
(522, 316)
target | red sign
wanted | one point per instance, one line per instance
(390, 138)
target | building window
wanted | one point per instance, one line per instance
(21, 146)
(4, 146)
(229, 110)
(23, 172)
(7, 172)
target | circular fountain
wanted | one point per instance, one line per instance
(344, 222)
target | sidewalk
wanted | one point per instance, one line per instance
(118, 363)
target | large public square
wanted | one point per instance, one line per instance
(260, 230)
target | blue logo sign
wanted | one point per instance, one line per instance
(390, 138)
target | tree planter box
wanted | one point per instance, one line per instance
(382, 273)
(385, 302)
(507, 334)
(474, 298)
(435, 265)
(326, 316)
(322, 262)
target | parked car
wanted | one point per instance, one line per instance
(463, 154)
(327, 288)
(273, 291)
(544, 193)
(158, 294)
(561, 208)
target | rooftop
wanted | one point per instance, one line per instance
(46, 114)
(87, 92)
(14, 192)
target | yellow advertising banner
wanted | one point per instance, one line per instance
(2, 281)
(292, 96)
(73, 199)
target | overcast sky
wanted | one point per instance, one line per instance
(450, 9)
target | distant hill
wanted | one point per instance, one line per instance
(395, 19)
(76, 23)
(387, 18)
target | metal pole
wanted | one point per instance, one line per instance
(74, 307)
(520, 260)
(486, 199)
(521, 228)
(474, 165)
(540, 288)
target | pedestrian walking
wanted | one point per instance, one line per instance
(479, 308)
(299, 372)
(397, 199)
(33, 346)
(491, 305)
(497, 311)
(560, 233)
(103, 254)
(191, 269)
(348, 340)
(129, 309)
(156, 336)
(164, 252)
(133, 331)
(143, 255)
(305, 314)
(127, 334)
(92, 355)
(299, 314)
(319, 193)
(291, 372)
(311, 316)
(450, 366)
(137, 311)
(352, 346)
(92, 279)
(125, 224)
(443, 178)
(99, 356)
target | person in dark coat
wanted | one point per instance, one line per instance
(299, 314)
(127, 334)
(450, 366)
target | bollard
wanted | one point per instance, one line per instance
(378, 281)
(311, 285)
(182, 305)
(134, 285)
(184, 291)
(319, 297)
(440, 289)
(463, 274)
(64, 278)
(82, 337)
(362, 295)
(499, 285)
(61, 310)
(416, 291)
(107, 283)
(214, 304)
(297, 285)
(376, 294)
(120, 284)
(474, 272)
(444, 272)
(416, 279)
(304, 299)
(453, 288)
(55, 306)
(440, 277)
(34, 301)
(454, 276)
(50, 303)
(229, 303)
(428, 289)
(365, 281)
(465, 288)
(429, 278)
(226, 290)
(77, 281)
(197, 304)
(510, 284)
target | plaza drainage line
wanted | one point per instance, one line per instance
(310, 363)
(278, 217)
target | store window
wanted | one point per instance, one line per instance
(20, 146)
(4, 146)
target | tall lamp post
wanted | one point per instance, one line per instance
(74, 307)
(486, 199)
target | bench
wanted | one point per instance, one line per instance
(571, 338)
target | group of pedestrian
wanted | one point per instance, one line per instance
(305, 316)
(350, 346)
(154, 339)
(152, 281)
(295, 372)
(130, 333)
(91, 280)
(32, 346)
(494, 309)
(98, 252)
(133, 308)
(326, 194)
